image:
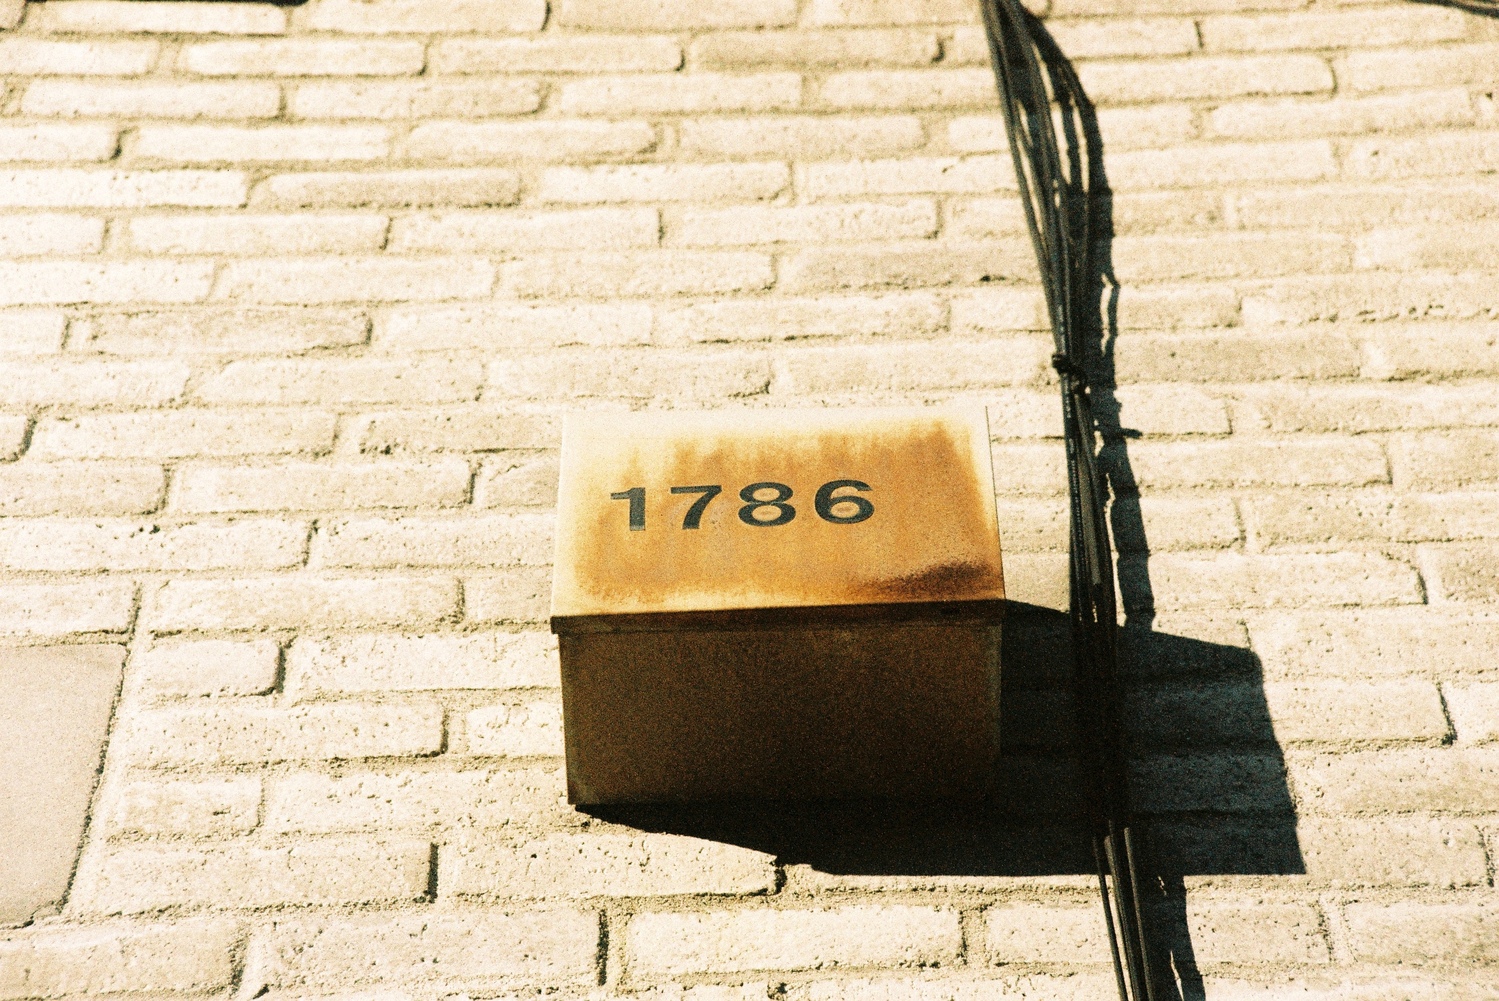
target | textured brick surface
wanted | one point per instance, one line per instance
(292, 300)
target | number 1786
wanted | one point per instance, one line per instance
(766, 504)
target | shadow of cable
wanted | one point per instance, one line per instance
(1488, 8)
(1206, 773)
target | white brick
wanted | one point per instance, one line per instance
(351, 871)
(674, 93)
(900, 90)
(1415, 931)
(908, 264)
(583, 229)
(1340, 29)
(804, 137)
(430, 950)
(354, 279)
(562, 54)
(396, 663)
(1223, 163)
(95, 606)
(34, 235)
(665, 182)
(1410, 851)
(480, 540)
(1290, 581)
(560, 140)
(762, 939)
(802, 48)
(425, 16)
(752, 224)
(12, 435)
(1341, 711)
(48, 142)
(188, 17)
(31, 331)
(907, 176)
(134, 545)
(1435, 66)
(517, 479)
(1374, 642)
(117, 281)
(202, 808)
(281, 602)
(256, 234)
(615, 274)
(24, 56)
(82, 99)
(79, 488)
(456, 429)
(664, 15)
(121, 188)
(513, 326)
(49, 961)
(910, 366)
(1341, 116)
(1438, 153)
(312, 486)
(852, 12)
(617, 865)
(1098, 38)
(360, 380)
(1458, 778)
(638, 374)
(1208, 77)
(182, 433)
(901, 314)
(514, 595)
(480, 798)
(1256, 931)
(207, 667)
(1044, 933)
(263, 144)
(1474, 708)
(415, 99)
(1147, 127)
(90, 383)
(491, 186)
(242, 733)
(525, 730)
(998, 309)
(302, 57)
(219, 331)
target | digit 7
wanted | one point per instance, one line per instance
(694, 518)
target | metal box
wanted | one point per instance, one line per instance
(777, 604)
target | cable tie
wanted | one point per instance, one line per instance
(1067, 370)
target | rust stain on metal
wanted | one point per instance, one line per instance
(931, 537)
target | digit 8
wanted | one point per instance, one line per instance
(785, 511)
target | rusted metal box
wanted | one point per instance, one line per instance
(777, 604)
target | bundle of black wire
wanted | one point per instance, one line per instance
(1060, 187)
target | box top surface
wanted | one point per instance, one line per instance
(642, 533)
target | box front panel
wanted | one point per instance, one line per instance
(805, 713)
(774, 509)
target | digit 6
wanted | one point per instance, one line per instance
(825, 502)
(785, 511)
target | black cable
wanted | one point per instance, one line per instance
(1061, 191)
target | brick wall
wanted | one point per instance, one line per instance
(291, 298)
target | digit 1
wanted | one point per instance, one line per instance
(636, 497)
